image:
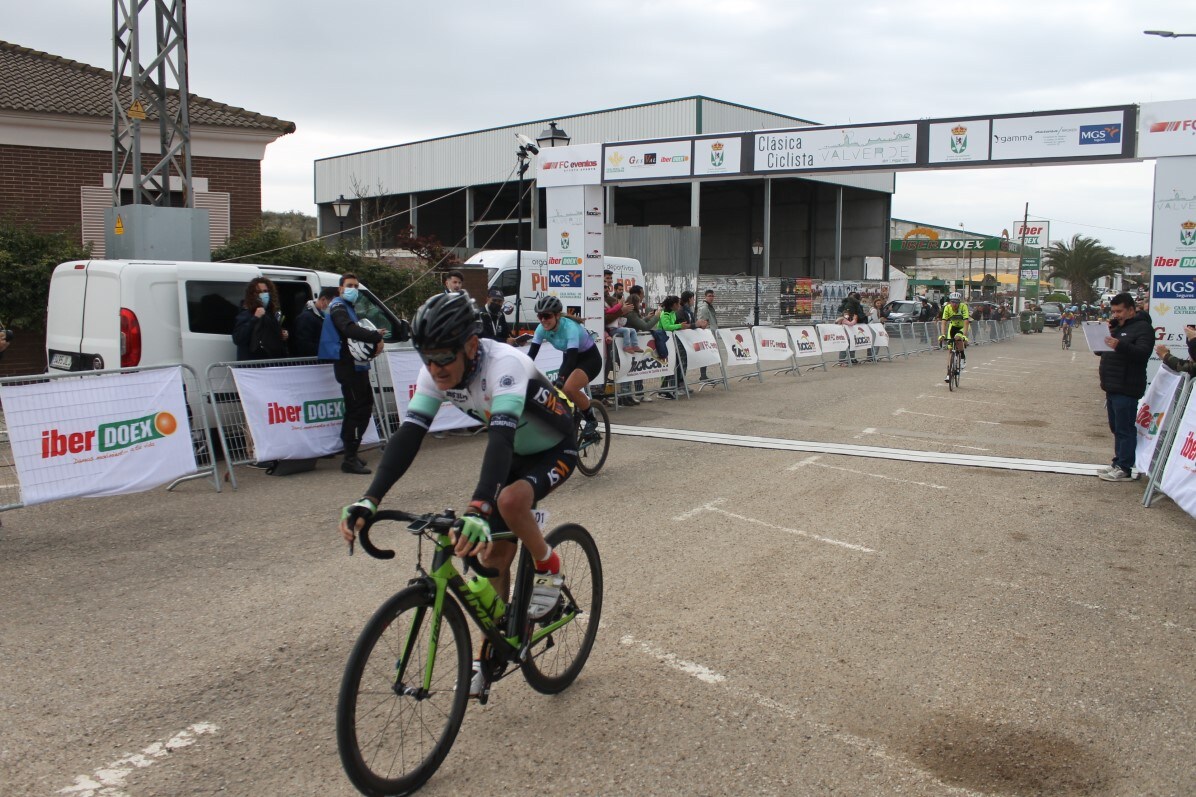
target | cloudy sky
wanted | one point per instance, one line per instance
(355, 75)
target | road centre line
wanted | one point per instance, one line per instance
(811, 461)
(109, 780)
(713, 507)
(903, 411)
(852, 450)
(869, 746)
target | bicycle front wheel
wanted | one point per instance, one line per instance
(591, 454)
(557, 659)
(394, 725)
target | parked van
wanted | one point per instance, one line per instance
(503, 274)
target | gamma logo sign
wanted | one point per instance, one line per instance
(109, 439)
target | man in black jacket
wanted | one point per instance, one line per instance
(1123, 378)
(310, 323)
(495, 325)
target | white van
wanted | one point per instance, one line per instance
(502, 274)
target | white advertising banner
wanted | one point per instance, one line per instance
(103, 435)
(1167, 128)
(1179, 474)
(1173, 251)
(860, 335)
(650, 161)
(717, 155)
(574, 165)
(965, 141)
(836, 148)
(880, 336)
(594, 305)
(566, 230)
(701, 349)
(1037, 233)
(805, 341)
(404, 368)
(630, 366)
(772, 343)
(834, 337)
(1070, 135)
(294, 412)
(741, 349)
(1152, 409)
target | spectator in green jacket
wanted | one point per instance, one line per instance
(1187, 366)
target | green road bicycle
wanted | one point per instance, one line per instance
(954, 367)
(407, 682)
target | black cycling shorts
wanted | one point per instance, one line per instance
(589, 361)
(544, 471)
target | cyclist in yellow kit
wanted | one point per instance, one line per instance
(955, 325)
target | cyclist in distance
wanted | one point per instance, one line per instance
(955, 323)
(582, 362)
(530, 451)
(1069, 319)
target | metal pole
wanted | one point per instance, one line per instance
(519, 238)
(756, 311)
(1017, 300)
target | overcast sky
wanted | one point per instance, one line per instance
(355, 75)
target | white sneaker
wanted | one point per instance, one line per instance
(546, 591)
(1116, 475)
(478, 685)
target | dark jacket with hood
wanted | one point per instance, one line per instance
(1123, 370)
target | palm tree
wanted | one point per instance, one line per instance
(1082, 262)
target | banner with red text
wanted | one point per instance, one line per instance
(1151, 414)
(834, 337)
(1179, 474)
(701, 349)
(805, 341)
(741, 348)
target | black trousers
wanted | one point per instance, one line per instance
(359, 404)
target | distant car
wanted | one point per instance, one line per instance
(1051, 313)
(902, 311)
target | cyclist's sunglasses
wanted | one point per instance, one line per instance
(441, 357)
(543, 316)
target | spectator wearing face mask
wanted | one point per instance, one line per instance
(495, 325)
(311, 321)
(258, 330)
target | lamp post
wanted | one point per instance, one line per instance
(1166, 34)
(341, 208)
(757, 250)
(552, 136)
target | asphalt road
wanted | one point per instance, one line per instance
(777, 622)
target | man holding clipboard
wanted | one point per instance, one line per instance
(1124, 351)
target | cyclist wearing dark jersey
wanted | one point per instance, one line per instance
(582, 362)
(530, 449)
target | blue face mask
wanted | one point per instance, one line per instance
(264, 298)
(350, 295)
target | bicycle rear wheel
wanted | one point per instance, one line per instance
(591, 454)
(392, 733)
(956, 368)
(556, 660)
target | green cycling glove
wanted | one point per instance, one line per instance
(474, 528)
(363, 510)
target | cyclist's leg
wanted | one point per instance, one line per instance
(575, 389)
(532, 479)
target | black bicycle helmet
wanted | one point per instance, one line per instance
(549, 304)
(445, 321)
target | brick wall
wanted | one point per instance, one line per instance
(41, 184)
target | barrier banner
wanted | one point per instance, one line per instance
(834, 337)
(741, 349)
(1179, 474)
(112, 434)
(701, 349)
(644, 365)
(880, 334)
(404, 368)
(772, 343)
(861, 336)
(1151, 412)
(294, 412)
(805, 341)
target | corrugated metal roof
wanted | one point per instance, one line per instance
(488, 156)
(38, 82)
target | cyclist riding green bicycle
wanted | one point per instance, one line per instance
(955, 325)
(530, 449)
(582, 362)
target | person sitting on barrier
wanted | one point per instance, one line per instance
(1187, 366)
(258, 330)
(640, 321)
(668, 323)
(310, 323)
(851, 312)
(614, 316)
(707, 319)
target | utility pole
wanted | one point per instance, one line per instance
(1021, 255)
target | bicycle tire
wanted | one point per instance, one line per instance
(406, 736)
(592, 456)
(958, 369)
(555, 662)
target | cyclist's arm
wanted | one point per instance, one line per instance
(505, 412)
(537, 339)
(402, 449)
(568, 363)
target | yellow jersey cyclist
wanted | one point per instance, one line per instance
(955, 325)
(530, 450)
(582, 362)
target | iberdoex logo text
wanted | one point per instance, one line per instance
(1149, 420)
(1174, 262)
(321, 411)
(1189, 448)
(109, 436)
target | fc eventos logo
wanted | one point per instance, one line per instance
(109, 437)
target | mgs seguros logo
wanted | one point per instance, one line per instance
(109, 439)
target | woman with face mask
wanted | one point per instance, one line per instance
(258, 330)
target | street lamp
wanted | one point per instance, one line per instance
(341, 208)
(757, 250)
(1166, 34)
(553, 136)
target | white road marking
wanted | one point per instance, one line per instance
(903, 411)
(996, 369)
(1096, 607)
(109, 781)
(972, 401)
(810, 461)
(853, 450)
(869, 746)
(713, 506)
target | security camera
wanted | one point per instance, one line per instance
(527, 144)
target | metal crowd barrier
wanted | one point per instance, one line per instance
(1171, 420)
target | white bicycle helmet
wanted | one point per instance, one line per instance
(954, 297)
(361, 351)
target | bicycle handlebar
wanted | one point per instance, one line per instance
(442, 522)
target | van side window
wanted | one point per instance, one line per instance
(508, 283)
(212, 306)
(371, 308)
